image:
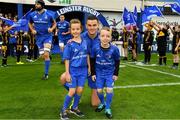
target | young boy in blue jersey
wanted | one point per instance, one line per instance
(92, 38)
(77, 66)
(42, 24)
(105, 60)
(63, 33)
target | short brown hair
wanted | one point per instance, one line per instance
(105, 28)
(74, 21)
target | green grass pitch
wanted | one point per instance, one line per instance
(23, 95)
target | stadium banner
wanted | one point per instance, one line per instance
(84, 9)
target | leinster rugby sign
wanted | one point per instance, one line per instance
(84, 9)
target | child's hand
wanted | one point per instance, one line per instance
(94, 77)
(50, 30)
(176, 49)
(68, 77)
(115, 77)
(149, 48)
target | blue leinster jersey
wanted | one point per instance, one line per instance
(76, 53)
(91, 42)
(41, 22)
(105, 59)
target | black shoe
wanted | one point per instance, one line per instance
(100, 108)
(77, 112)
(108, 113)
(45, 77)
(64, 115)
(4, 65)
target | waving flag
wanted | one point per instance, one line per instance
(7, 21)
(135, 14)
(125, 13)
(144, 18)
(128, 18)
(153, 11)
(175, 8)
(178, 1)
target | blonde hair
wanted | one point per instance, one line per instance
(106, 28)
(75, 21)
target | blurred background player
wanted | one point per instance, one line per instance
(12, 41)
(176, 48)
(161, 38)
(5, 44)
(32, 47)
(125, 38)
(42, 24)
(19, 46)
(77, 66)
(63, 33)
(147, 42)
(105, 63)
(134, 32)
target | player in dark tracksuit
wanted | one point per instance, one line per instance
(162, 34)
(125, 38)
(147, 43)
(134, 43)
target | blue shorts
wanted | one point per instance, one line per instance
(91, 83)
(41, 40)
(104, 81)
(78, 77)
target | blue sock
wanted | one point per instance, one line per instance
(47, 65)
(66, 102)
(67, 88)
(101, 97)
(76, 101)
(108, 100)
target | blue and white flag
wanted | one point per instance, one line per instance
(175, 8)
(7, 21)
(125, 13)
(144, 18)
(178, 1)
(128, 18)
(135, 14)
(21, 24)
(152, 12)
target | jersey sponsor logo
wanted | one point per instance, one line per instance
(79, 57)
(35, 16)
(103, 63)
(46, 17)
(98, 55)
(75, 50)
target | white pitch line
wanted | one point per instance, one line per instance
(147, 85)
(178, 76)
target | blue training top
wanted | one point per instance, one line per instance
(41, 22)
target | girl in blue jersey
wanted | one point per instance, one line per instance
(105, 60)
(77, 66)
